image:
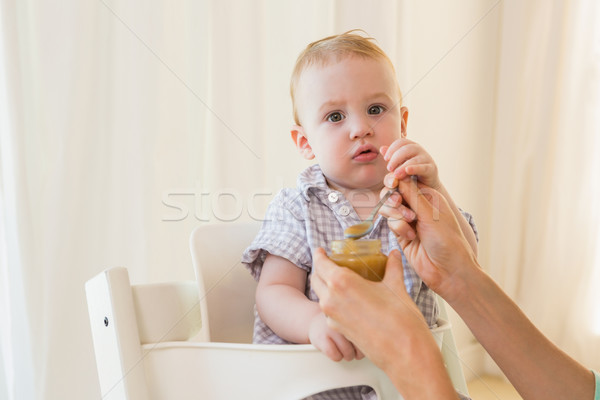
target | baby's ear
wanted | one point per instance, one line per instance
(404, 121)
(301, 141)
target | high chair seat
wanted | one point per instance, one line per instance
(176, 340)
(143, 341)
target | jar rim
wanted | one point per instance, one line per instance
(356, 246)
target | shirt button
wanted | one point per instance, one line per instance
(344, 211)
(333, 197)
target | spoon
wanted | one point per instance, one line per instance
(364, 228)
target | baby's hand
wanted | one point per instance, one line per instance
(399, 216)
(333, 344)
(406, 158)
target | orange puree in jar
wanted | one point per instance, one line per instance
(362, 256)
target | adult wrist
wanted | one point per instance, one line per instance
(428, 377)
(463, 284)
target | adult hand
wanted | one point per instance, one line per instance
(432, 240)
(360, 309)
(381, 320)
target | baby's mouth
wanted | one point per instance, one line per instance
(365, 153)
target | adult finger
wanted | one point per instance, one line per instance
(328, 279)
(412, 195)
(394, 271)
(399, 217)
(417, 200)
(394, 209)
(324, 267)
(359, 354)
(321, 272)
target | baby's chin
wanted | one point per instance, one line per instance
(356, 184)
(371, 178)
(367, 177)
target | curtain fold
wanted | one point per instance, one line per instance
(544, 228)
(17, 310)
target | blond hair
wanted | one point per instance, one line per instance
(334, 48)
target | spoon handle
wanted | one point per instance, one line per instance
(378, 206)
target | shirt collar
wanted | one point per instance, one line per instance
(312, 178)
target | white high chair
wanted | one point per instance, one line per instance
(152, 341)
(227, 292)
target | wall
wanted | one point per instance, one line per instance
(454, 52)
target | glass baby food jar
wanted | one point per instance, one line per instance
(362, 256)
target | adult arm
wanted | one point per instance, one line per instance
(436, 248)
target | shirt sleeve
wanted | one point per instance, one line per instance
(471, 222)
(283, 233)
(597, 392)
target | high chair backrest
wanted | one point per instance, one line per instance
(226, 288)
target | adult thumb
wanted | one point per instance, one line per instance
(394, 270)
(418, 199)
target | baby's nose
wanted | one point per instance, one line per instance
(360, 127)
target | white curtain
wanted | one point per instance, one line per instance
(544, 230)
(123, 125)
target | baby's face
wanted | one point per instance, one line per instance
(348, 110)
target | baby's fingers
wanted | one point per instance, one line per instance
(394, 147)
(419, 169)
(390, 182)
(330, 349)
(344, 347)
(399, 156)
(383, 150)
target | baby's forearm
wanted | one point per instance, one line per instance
(465, 227)
(287, 311)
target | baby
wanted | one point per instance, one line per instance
(348, 117)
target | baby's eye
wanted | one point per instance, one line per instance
(374, 110)
(335, 117)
